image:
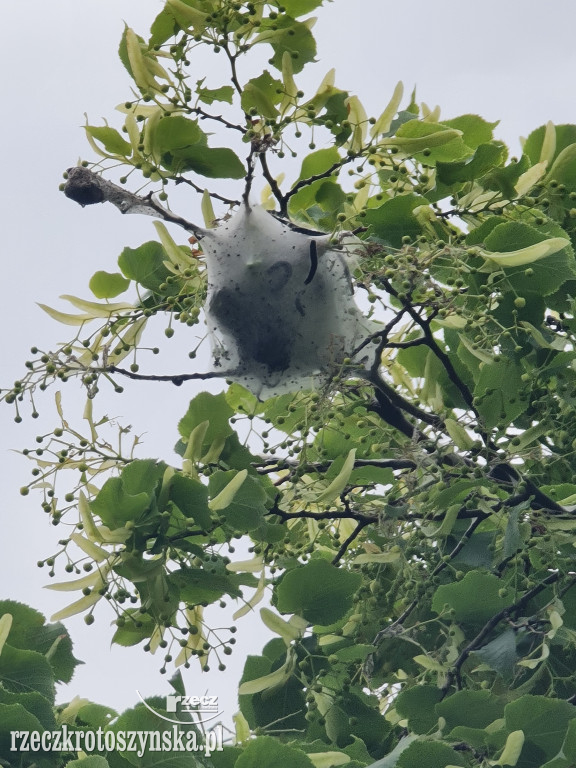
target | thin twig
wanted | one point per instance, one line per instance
(200, 190)
(345, 544)
(311, 179)
(391, 628)
(454, 672)
(218, 118)
(273, 184)
(176, 379)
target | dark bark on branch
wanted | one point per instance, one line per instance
(345, 544)
(393, 628)
(454, 673)
(176, 379)
(88, 188)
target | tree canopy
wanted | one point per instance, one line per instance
(405, 507)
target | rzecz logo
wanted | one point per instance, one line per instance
(203, 708)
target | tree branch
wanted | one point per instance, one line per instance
(334, 515)
(218, 118)
(176, 379)
(198, 188)
(345, 544)
(392, 628)
(273, 184)
(87, 188)
(311, 179)
(454, 672)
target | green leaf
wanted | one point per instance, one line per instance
(478, 234)
(336, 111)
(237, 456)
(224, 497)
(499, 384)
(475, 709)
(391, 759)
(475, 599)
(563, 171)
(188, 15)
(330, 196)
(35, 704)
(417, 706)
(286, 34)
(565, 135)
(355, 652)
(30, 632)
(16, 718)
(177, 133)
(214, 163)
(199, 586)
(211, 408)
(504, 179)
(297, 8)
(111, 140)
(107, 285)
(24, 671)
(318, 162)
(210, 95)
(140, 718)
(242, 400)
(432, 754)
(544, 722)
(145, 264)
(191, 498)
(365, 720)
(500, 654)
(475, 130)
(163, 27)
(267, 752)
(115, 504)
(337, 725)
(318, 591)
(247, 508)
(440, 141)
(182, 146)
(89, 761)
(512, 535)
(395, 219)
(285, 703)
(486, 157)
(134, 630)
(339, 482)
(262, 93)
(315, 163)
(143, 475)
(569, 746)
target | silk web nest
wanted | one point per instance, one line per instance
(280, 307)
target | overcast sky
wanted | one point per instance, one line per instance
(511, 60)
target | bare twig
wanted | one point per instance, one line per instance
(306, 182)
(218, 118)
(87, 188)
(273, 184)
(200, 190)
(176, 379)
(345, 544)
(321, 466)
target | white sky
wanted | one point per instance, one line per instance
(513, 60)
